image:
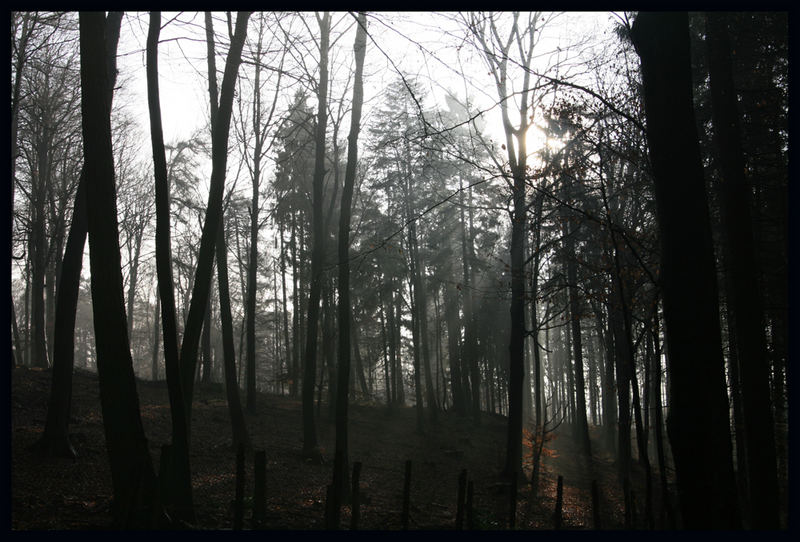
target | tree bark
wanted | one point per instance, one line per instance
(179, 462)
(744, 300)
(211, 226)
(252, 261)
(294, 377)
(56, 432)
(132, 474)
(238, 427)
(206, 345)
(698, 422)
(340, 468)
(285, 313)
(310, 447)
(581, 423)
(658, 424)
(156, 340)
(453, 351)
(134, 276)
(468, 359)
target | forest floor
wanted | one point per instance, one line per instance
(65, 494)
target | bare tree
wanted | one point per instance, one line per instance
(497, 49)
(179, 468)
(55, 437)
(239, 429)
(340, 466)
(132, 474)
(310, 448)
(213, 217)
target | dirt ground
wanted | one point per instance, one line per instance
(64, 494)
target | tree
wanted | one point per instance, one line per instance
(55, 437)
(310, 448)
(294, 167)
(205, 259)
(340, 466)
(496, 51)
(261, 122)
(136, 213)
(240, 435)
(575, 314)
(698, 417)
(48, 129)
(748, 320)
(178, 455)
(132, 474)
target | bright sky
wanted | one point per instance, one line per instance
(418, 43)
(425, 44)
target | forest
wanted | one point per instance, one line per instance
(399, 270)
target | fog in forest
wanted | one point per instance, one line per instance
(399, 270)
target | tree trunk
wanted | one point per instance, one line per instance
(50, 298)
(56, 431)
(137, 249)
(132, 474)
(206, 345)
(345, 317)
(469, 361)
(516, 349)
(37, 252)
(453, 350)
(252, 261)
(294, 377)
(211, 226)
(397, 329)
(239, 429)
(362, 381)
(441, 381)
(416, 341)
(385, 351)
(581, 424)
(310, 447)
(328, 345)
(744, 300)
(156, 340)
(238, 426)
(285, 313)
(16, 349)
(698, 423)
(392, 328)
(179, 462)
(658, 424)
(421, 310)
(641, 446)
(621, 364)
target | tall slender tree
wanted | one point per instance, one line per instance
(213, 217)
(132, 474)
(55, 437)
(239, 429)
(310, 447)
(344, 309)
(497, 51)
(178, 454)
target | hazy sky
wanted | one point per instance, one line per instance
(425, 44)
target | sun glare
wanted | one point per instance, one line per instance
(537, 142)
